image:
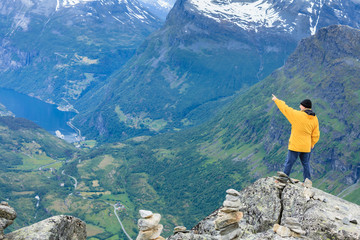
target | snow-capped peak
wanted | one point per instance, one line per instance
(258, 14)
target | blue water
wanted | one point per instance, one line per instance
(44, 114)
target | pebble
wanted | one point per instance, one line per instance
(354, 221)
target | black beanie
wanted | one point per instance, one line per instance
(306, 103)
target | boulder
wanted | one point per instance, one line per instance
(264, 205)
(7, 217)
(57, 227)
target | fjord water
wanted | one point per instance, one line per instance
(44, 114)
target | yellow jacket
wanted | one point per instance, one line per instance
(305, 131)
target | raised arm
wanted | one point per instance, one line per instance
(288, 112)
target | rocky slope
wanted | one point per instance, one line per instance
(58, 49)
(206, 52)
(293, 211)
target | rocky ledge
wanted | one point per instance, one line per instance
(279, 208)
(58, 227)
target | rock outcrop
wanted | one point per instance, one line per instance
(60, 227)
(7, 217)
(55, 228)
(289, 210)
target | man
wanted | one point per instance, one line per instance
(304, 134)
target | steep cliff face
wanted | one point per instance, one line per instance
(206, 52)
(57, 50)
(292, 211)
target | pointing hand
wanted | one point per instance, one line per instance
(274, 97)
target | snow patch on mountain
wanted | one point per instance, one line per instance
(241, 13)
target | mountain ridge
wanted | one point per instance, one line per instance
(192, 65)
(58, 50)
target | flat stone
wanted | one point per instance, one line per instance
(229, 229)
(280, 185)
(232, 204)
(338, 217)
(145, 213)
(233, 192)
(151, 233)
(226, 219)
(281, 179)
(149, 223)
(180, 228)
(282, 174)
(231, 235)
(229, 209)
(231, 198)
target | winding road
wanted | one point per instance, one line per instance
(118, 218)
(76, 182)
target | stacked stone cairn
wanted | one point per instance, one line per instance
(229, 216)
(7, 217)
(282, 180)
(149, 226)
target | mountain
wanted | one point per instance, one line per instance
(160, 8)
(57, 50)
(206, 52)
(184, 175)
